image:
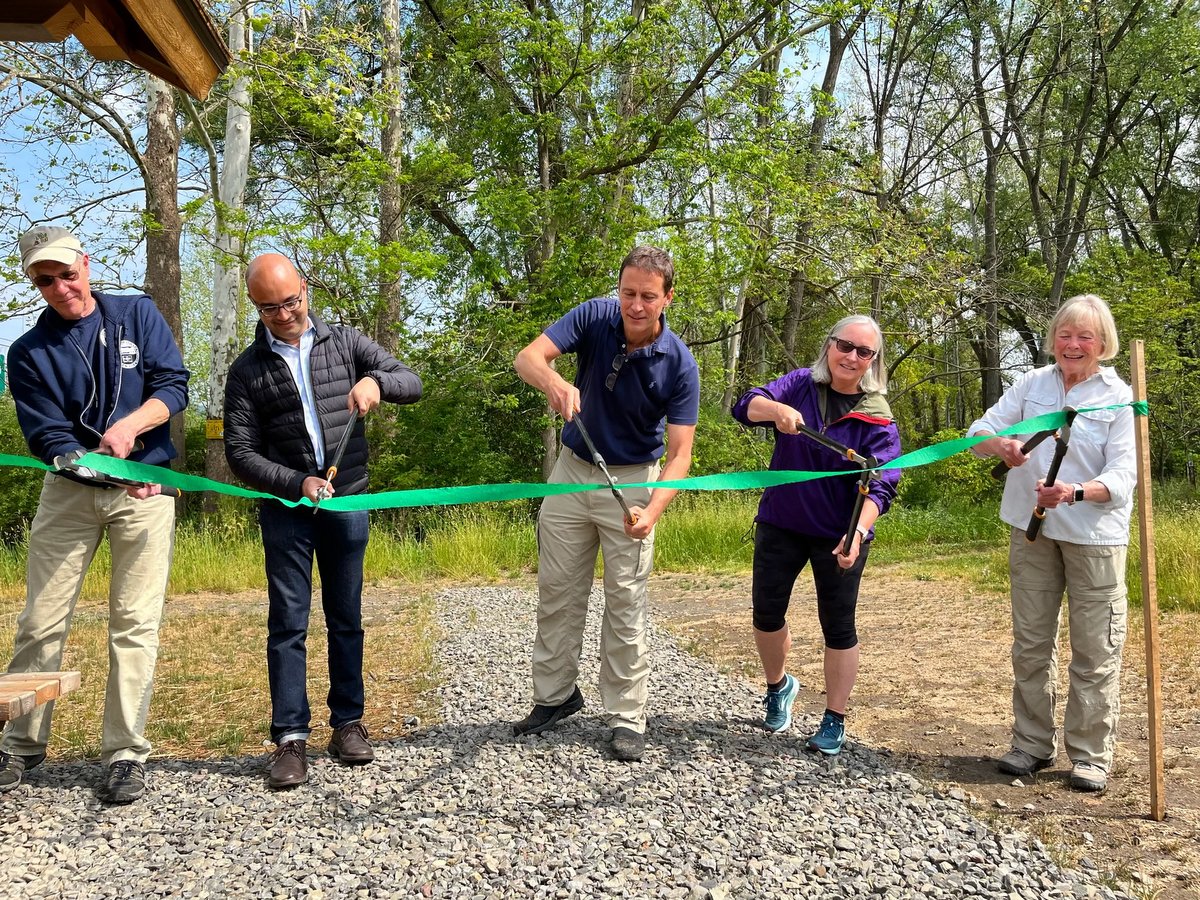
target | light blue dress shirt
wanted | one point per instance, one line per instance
(297, 359)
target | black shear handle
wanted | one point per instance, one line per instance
(1001, 468)
(1039, 512)
(855, 515)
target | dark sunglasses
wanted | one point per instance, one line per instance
(44, 281)
(847, 346)
(618, 361)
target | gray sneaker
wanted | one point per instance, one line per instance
(13, 766)
(627, 744)
(1088, 777)
(126, 781)
(1017, 762)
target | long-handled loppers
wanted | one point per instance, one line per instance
(867, 463)
(69, 462)
(1061, 440)
(324, 492)
(598, 460)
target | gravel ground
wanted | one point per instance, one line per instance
(718, 808)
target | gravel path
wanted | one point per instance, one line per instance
(717, 809)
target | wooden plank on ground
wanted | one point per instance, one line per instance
(21, 693)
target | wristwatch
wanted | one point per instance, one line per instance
(862, 532)
(1077, 495)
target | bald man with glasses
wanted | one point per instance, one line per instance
(96, 372)
(289, 399)
(633, 377)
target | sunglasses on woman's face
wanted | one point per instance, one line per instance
(847, 346)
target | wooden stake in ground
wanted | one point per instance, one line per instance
(1158, 803)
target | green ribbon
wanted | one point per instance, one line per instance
(490, 493)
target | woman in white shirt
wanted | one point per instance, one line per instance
(1080, 548)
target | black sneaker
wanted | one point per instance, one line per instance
(1019, 762)
(126, 781)
(13, 766)
(628, 744)
(543, 717)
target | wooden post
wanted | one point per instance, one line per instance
(1158, 803)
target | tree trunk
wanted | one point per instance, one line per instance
(839, 40)
(735, 345)
(994, 142)
(391, 309)
(162, 207)
(227, 270)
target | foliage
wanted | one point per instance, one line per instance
(964, 477)
(19, 487)
(538, 142)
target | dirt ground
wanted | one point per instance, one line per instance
(933, 693)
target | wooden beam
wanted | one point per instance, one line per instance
(1141, 430)
(173, 39)
(40, 20)
(104, 31)
(181, 37)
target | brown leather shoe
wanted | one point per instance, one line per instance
(289, 765)
(349, 745)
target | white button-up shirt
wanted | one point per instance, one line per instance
(297, 359)
(1101, 449)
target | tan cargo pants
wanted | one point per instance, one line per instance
(1094, 580)
(571, 529)
(71, 521)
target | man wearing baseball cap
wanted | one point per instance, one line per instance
(96, 372)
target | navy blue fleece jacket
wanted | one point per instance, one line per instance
(62, 404)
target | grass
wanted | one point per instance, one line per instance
(211, 696)
(210, 688)
(704, 534)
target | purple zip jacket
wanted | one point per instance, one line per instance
(822, 508)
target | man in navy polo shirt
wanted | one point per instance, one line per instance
(633, 375)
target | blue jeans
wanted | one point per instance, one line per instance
(291, 537)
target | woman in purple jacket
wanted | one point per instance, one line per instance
(842, 396)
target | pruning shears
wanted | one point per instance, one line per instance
(598, 460)
(1001, 468)
(1061, 439)
(69, 462)
(868, 464)
(324, 492)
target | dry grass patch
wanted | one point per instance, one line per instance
(211, 696)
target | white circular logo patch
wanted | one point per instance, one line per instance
(129, 355)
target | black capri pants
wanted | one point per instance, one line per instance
(779, 557)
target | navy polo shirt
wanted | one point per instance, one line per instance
(655, 384)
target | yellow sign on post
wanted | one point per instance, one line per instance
(214, 429)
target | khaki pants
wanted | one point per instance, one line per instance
(571, 528)
(1094, 580)
(71, 520)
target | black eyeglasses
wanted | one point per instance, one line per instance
(618, 361)
(291, 305)
(44, 281)
(847, 346)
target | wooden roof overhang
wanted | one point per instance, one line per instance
(173, 39)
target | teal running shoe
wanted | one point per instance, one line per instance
(830, 736)
(779, 705)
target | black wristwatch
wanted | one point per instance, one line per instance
(1078, 495)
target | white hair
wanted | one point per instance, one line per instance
(874, 380)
